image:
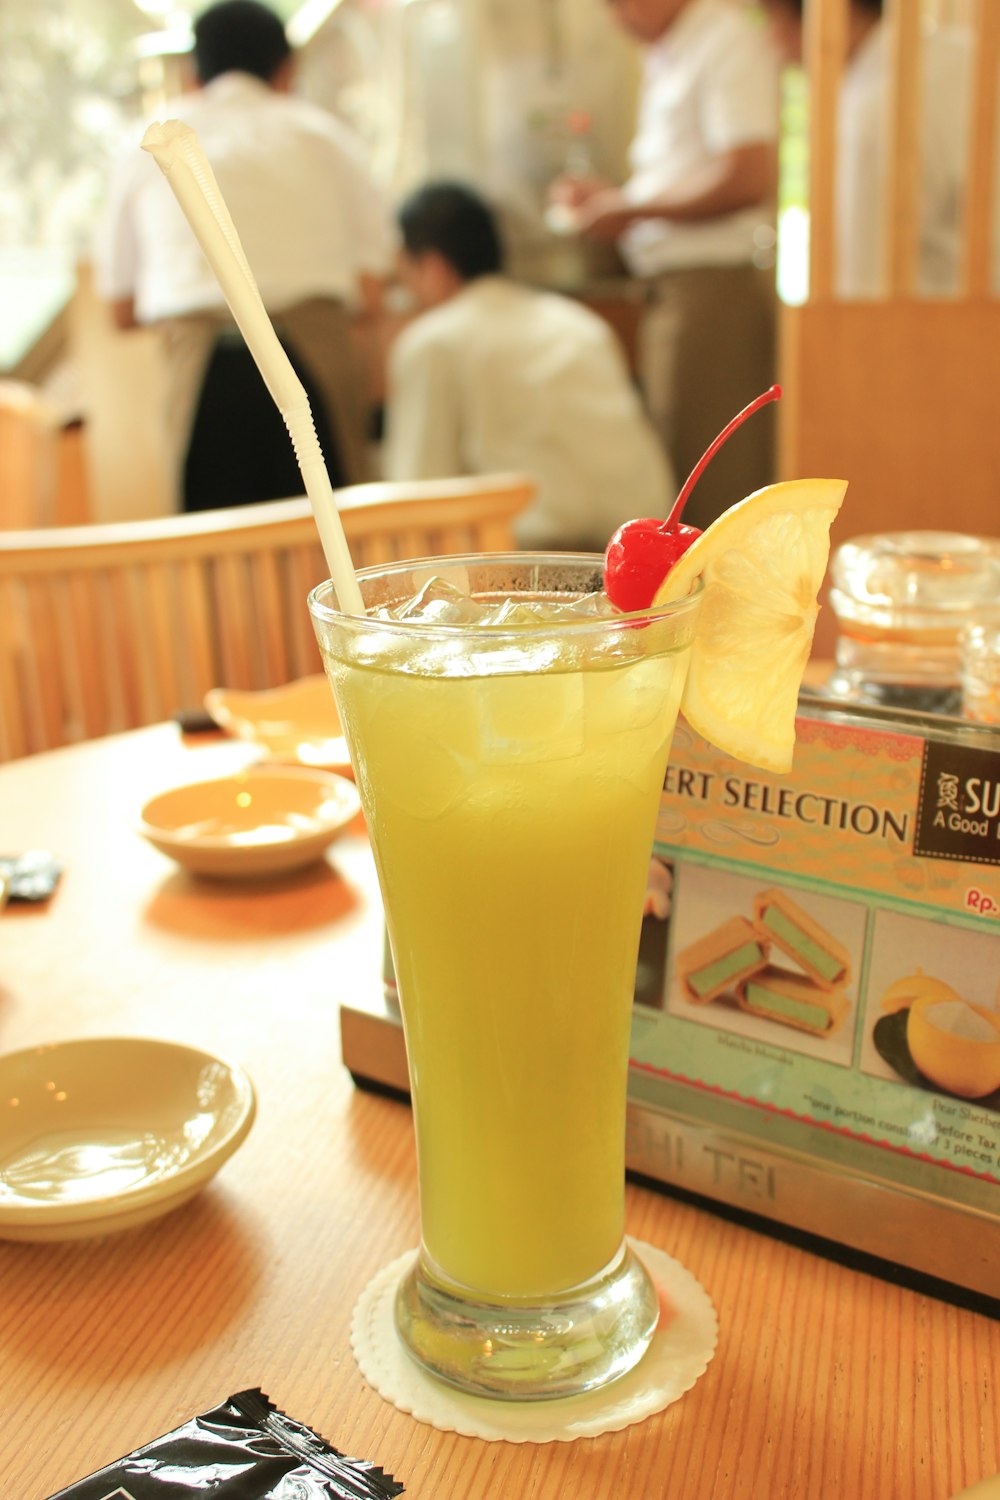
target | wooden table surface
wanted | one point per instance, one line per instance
(827, 1381)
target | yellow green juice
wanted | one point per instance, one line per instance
(511, 788)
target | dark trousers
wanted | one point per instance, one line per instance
(707, 348)
(239, 450)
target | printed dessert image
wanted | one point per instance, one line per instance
(735, 964)
(933, 1037)
(717, 962)
(791, 929)
(794, 1000)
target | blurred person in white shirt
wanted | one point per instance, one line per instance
(494, 376)
(862, 147)
(317, 236)
(695, 221)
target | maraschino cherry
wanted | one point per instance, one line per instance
(642, 552)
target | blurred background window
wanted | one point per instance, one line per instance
(479, 89)
(69, 83)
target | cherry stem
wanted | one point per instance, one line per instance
(771, 394)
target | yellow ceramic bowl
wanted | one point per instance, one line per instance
(955, 1044)
(263, 821)
(298, 723)
(986, 1489)
(105, 1133)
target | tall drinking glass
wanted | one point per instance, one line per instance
(510, 771)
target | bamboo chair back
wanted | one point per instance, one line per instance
(897, 395)
(110, 627)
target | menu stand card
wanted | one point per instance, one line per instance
(816, 1033)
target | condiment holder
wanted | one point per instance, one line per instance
(902, 601)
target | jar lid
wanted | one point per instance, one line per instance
(920, 579)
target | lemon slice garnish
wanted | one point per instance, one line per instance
(762, 564)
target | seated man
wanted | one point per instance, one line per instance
(497, 376)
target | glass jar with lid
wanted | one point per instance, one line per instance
(981, 668)
(903, 600)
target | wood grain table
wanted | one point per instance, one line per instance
(828, 1381)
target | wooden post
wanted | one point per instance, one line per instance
(825, 52)
(903, 137)
(977, 270)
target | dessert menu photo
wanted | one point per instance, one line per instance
(824, 946)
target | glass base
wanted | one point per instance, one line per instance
(530, 1351)
(927, 696)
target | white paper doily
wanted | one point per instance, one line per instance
(679, 1353)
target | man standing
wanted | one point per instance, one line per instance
(946, 67)
(316, 235)
(495, 376)
(695, 221)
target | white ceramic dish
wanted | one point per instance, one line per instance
(297, 723)
(263, 821)
(103, 1134)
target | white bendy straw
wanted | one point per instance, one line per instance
(177, 151)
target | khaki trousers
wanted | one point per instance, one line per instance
(318, 330)
(707, 347)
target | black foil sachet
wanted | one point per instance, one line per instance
(243, 1449)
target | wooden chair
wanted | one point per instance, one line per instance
(109, 627)
(42, 472)
(897, 395)
(29, 456)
